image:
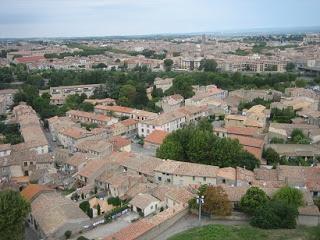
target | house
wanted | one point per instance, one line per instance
(144, 204)
(124, 112)
(95, 147)
(163, 84)
(154, 139)
(121, 144)
(169, 122)
(6, 99)
(91, 171)
(118, 184)
(57, 124)
(236, 131)
(251, 145)
(306, 151)
(127, 127)
(91, 118)
(59, 94)
(185, 173)
(61, 214)
(142, 165)
(284, 130)
(76, 162)
(178, 196)
(171, 103)
(71, 137)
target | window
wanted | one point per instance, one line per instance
(25, 163)
(204, 179)
(159, 179)
(168, 180)
(193, 178)
(151, 207)
(223, 181)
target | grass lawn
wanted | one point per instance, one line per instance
(221, 232)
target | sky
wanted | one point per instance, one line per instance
(79, 18)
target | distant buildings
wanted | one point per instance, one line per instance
(59, 94)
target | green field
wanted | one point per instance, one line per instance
(220, 232)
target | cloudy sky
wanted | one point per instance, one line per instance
(68, 18)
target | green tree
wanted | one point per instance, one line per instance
(84, 205)
(298, 137)
(271, 156)
(87, 107)
(216, 201)
(181, 85)
(252, 200)
(170, 150)
(275, 214)
(98, 210)
(290, 196)
(208, 65)
(67, 234)
(290, 66)
(13, 210)
(168, 64)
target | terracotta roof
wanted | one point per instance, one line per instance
(245, 131)
(156, 137)
(33, 190)
(180, 195)
(119, 142)
(129, 122)
(249, 141)
(30, 59)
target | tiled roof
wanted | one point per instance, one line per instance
(227, 173)
(53, 211)
(156, 137)
(249, 141)
(33, 190)
(143, 200)
(91, 167)
(245, 131)
(119, 142)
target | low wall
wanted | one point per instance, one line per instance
(308, 220)
(157, 230)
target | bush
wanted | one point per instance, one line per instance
(84, 206)
(275, 214)
(290, 196)
(67, 234)
(82, 238)
(115, 201)
(252, 200)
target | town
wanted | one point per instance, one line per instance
(160, 137)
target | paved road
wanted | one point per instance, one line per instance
(191, 221)
(105, 230)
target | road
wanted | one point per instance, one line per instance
(105, 230)
(191, 221)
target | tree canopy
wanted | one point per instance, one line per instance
(290, 196)
(197, 144)
(253, 199)
(216, 201)
(13, 210)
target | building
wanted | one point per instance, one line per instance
(59, 94)
(6, 99)
(92, 170)
(127, 127)
(163, 84)
(185, 173)
(154, 139)
(168, 122)
(124, 112)
(61, 214)
(91, 118)
(171, 103)
(144, 204)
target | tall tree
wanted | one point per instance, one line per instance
(290, 196)
(216, 201)
(208, 65)
(13, 210)
(168, 64)
(253, 199)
